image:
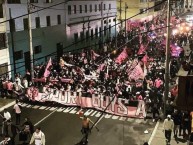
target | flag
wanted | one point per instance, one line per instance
(137, 73)
(47, 70)
(122, 56)
(94, 55)
(145, 59)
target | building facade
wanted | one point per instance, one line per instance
(57, 26)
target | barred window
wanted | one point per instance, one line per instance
(2, 41)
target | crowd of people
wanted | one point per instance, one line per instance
(131, 67)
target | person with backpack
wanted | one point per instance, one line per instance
(17, 109)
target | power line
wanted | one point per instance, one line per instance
(53, 53)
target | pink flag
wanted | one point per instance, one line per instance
(101, 67)
(122, 56)
(47, 70)
(94, 55)
(145, 59)
(137, 73)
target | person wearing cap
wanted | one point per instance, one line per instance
(168, 126)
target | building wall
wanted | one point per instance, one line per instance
(48, 36)
(134, 8)
(4, 51)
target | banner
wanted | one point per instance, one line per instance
(119, 106)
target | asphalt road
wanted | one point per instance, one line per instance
(62, 126)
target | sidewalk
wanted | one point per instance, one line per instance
(5, 103)
(158, 137)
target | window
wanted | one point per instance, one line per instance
(1, 11)
(99, 7)
(13, 1)
(75, 37)
(95, 8)
(81, 36)
(37, 49)
(33, 1)
(90, 8)
(74, 9)
(80, 6)
(18, 54)
(25, 23)
(100, 32)
(87, 35)
(59, 19)
(105, 21)
(48, 1)
(109, 6)
(69, 9)
(109, 20)
(48, 20)
(96, 32)
(3, 68)
(91, 34)
(109, 29)
(85, 8)
(157, 6)
(114, 20)
(2, 41)
(104, 6)
(37, 22)
(105, 30)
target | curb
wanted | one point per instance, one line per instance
(7, 106)
(153, 133)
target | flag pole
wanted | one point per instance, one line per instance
(167, 71)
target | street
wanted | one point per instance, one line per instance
(62, 126)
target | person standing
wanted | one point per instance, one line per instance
(168, 126)
(38, 137)
(17, 110)
(86, 128)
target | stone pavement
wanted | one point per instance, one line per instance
(158, 137)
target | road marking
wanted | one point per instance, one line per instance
(47, 108)
(35, 107)
(60, 109)
(98, 114)
(28, 106)
(88, 112)
(108, 116)
(52, 109)
(24, 104)
(68, 109)
(93, 113)
(42, 107)
(153, 133)
(73, 111)
(115, 117)
(45, 117)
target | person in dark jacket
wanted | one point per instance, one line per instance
(11, 130)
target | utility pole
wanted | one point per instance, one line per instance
(30, 41)
(120, 12)
(83, 28)
(89, 39)
(11, 25)
(116, 32)
(167, 71)
(102, 27)
(126, 7)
